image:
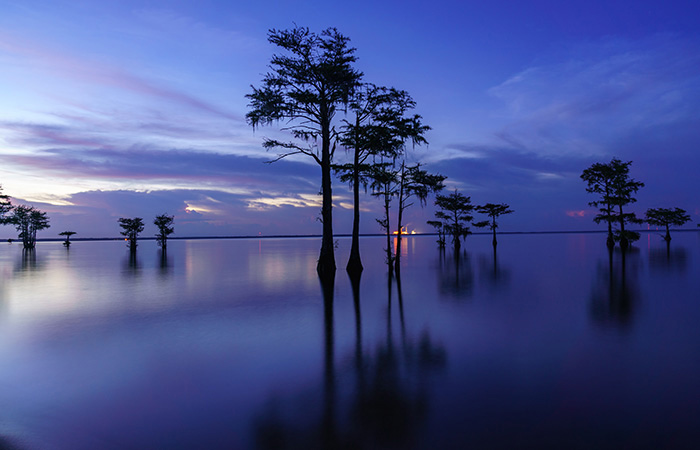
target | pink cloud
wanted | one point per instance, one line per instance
(576, 213)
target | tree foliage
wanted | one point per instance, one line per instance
(613, 184)
(384, 182)
(599, 177)
(305, 88)
(164, 223)
(131, 229)
(5, 208)
(406, 183)
(28, 220)
(493, 211)
(665, 217)
(441, 232)
(454, 214)
(67, 234)
(414, 183)
(380, 129)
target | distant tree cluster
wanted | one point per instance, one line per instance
(615, 189)
(29, 220)
(132, 227)
(455, 214)
(26, 219)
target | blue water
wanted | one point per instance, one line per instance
(551, 342)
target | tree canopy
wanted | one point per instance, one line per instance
(414, 183)
(164, 223)
(616, 189)
(67, 234)
(131, 229)
(380, 129)
(305, 88)
(455, 214)
(28, 220)
(5, 208)
(493, 211)
(665, 217)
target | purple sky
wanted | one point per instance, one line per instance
(133, 108)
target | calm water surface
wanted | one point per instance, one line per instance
(551, 342)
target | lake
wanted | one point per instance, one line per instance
(549, 343)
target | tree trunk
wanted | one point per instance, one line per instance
(389, 258)
(355, 262)
(624, 243)
(397, 261)
(668, 234)
(455, 236)
(495, 243)
(611, 239)
(326, 260)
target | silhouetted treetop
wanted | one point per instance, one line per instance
(455, 213)
(615, 188)
(665, 217)
(493, 211)
(67, 234)
(28, 220)
(131, 229)
(164, 223)
(380, 128)
(5, 207)
(305, 87)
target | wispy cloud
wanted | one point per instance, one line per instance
(165, 24)
(588, 101)
(193, 167)
(95, 72)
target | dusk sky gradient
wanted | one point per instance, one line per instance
(137, 108)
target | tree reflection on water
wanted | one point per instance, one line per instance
(492, 272)
(668, 259)
(615, 291)
(379, 401)
(28, 262)
(456, 275)
(164, 263)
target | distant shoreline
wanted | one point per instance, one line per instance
(318, 236)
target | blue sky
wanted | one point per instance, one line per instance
(136, 108)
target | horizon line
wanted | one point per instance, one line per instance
(342, 235)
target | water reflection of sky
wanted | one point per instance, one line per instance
(235, 344)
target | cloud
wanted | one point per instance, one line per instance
(181, 167)
(587, 101)
(94, 72)
(164, 24)
(506, 167)
(637, 100)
